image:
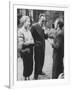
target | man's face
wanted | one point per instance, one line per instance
(42, 20)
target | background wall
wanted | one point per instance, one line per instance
(51, 16)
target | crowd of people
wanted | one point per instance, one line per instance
(31, 46)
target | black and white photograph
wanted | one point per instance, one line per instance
(35, 45)
(40, 44)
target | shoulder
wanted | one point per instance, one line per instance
(20, 30)
(60, 33)
(33, 27)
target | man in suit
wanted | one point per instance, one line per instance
(58, 52)
(39, 50)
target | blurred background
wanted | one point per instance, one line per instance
(51, 16)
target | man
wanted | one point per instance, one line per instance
(39, 39)
(58, 52)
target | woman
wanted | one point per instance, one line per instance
(25, 45)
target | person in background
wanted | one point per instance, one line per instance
(39, 37)
(25, 46)
(58, 50)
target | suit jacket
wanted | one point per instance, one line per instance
(38, 35)
(58, 44)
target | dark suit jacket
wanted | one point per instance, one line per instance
(38, 35)
(58, 44)
(39, 49)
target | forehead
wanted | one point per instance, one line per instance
(42, 17)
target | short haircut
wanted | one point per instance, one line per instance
(42, 14)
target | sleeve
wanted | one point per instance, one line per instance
(57, 41)
(33, 32)
(20, 38)
(51, 34)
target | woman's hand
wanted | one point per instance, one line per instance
(26, 50)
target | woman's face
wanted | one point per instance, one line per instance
(27, 23)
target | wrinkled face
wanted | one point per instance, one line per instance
(42, 20)
(27, 23)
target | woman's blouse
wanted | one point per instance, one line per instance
(24, 37)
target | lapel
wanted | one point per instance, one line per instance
(39, 30)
